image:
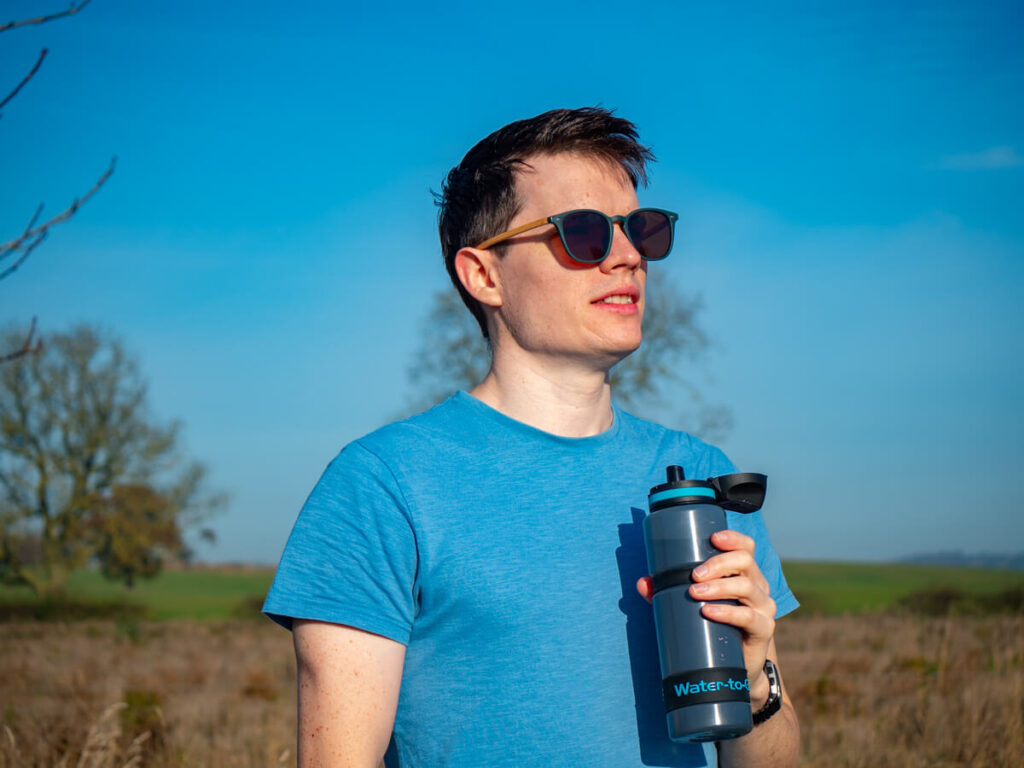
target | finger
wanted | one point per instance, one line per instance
(729, 540)
(754, 624)
(747, 591)
(725, 564)
(728, 564)
(645, 588)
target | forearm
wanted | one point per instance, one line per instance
(775, 743)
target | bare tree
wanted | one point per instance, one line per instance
(657, 378)
(14, 252)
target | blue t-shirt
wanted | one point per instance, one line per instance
(505, 559)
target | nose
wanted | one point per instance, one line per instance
(622, 253)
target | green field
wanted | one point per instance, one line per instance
(204, 594)
(828, 588)
(835, 588)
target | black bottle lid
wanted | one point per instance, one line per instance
(738, 492)
(741, 491)
(678, 490)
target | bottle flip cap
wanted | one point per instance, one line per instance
(738, 492)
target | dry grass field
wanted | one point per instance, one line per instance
(872, 690)
(103, 694)
(884, 690)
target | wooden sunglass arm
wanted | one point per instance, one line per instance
(512, 233)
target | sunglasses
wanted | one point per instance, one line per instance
(587, 235)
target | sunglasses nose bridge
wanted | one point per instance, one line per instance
(633, 253)
(621, 221)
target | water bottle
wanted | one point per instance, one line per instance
(704, 677)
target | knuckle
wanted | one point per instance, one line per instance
(733, 561)
(745, 541)
(744, 586)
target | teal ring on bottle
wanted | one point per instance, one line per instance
(675, 493)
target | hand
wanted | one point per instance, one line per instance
(734, 575)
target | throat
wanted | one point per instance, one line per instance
(557, 406)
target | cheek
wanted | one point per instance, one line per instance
(538, 302)
(641, 277)
(541, 308)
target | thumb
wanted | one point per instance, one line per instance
(644, 587)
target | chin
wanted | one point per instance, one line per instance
(619, 352)
(629, 344)
(621, 341)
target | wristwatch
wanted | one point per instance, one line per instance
(774, 703)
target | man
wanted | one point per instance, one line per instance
(464, 587)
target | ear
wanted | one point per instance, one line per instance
(477, 270)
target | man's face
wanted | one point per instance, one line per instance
(551, 305)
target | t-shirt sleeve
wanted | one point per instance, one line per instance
(764, 553)
(351, 558)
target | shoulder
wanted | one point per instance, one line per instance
(402, 440)
(403, 452)
(698, 458)
(442, 420)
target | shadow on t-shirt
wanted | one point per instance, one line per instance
(656, 749)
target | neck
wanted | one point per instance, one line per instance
(565, 400)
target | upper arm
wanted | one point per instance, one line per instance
(348, 693)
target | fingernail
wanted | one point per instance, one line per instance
(700, 571)
(700, 589)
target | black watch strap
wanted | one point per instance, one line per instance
(774, 703)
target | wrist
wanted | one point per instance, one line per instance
(774, 701)
(760, 689)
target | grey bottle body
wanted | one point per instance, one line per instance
(678, 539)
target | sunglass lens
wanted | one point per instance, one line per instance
(587, 236)
(651, 233)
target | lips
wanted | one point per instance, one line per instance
(624, 296)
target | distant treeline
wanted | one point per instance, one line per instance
(1012, 561)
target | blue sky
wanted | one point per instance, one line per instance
(848, 177)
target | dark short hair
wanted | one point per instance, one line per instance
(478, 198)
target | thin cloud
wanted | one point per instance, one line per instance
(989, 159)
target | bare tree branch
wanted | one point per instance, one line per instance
(27, 348)
(34, 234)
(26, 251)
(16, 251)
(35, 217)
(71, 11)
(25, 79)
